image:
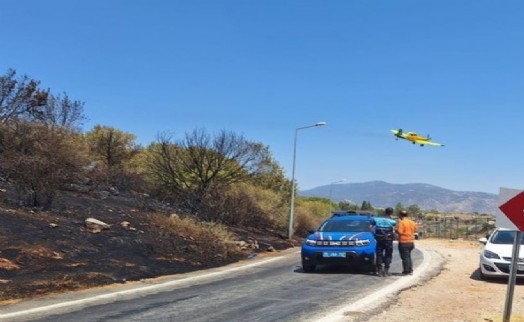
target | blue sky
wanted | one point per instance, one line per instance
(451, 69)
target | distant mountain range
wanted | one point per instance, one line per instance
(427, 197)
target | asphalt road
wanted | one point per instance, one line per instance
(262, 289)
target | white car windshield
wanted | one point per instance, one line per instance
(505, 237)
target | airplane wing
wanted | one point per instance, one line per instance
(428, 143)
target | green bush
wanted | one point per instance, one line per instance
(309, 213)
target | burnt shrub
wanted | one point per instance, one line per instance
(39, 160)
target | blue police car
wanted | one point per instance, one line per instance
(346, 238)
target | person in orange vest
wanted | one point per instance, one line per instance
(406, 229)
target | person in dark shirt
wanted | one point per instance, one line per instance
(384, 231)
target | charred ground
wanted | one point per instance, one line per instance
(53, 251)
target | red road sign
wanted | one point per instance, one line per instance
(514, 210)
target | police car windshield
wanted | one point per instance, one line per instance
(345, 226)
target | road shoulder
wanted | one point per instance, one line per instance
(380, 300)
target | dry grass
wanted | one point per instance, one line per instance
(211, 240)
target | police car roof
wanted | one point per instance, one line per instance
(340, 213)
(356, 218)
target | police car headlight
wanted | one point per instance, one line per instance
(362, 242)
(311, 242)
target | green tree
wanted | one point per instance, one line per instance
(309, 213)
(414, 210)
(189, 170)
(113, 148)
(398, 208)
(346, 205)
(270, 175)
(366, 205)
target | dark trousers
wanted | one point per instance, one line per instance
(404, 250)
(384, 253)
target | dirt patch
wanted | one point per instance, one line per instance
(54, 251)
(457, 293)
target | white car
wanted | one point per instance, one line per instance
(496, 256)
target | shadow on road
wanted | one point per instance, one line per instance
(334, 269)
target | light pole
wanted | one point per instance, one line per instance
(292, 206)
(331, 187)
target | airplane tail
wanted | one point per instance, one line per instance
(397, 133)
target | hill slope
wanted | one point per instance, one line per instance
(426, 196)
(55, 250)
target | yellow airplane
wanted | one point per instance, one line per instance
(414, 138)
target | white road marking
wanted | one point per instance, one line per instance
(139, 290)
(380, 295)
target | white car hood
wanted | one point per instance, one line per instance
(504, 250)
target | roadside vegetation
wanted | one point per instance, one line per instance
(178, 204)
(220, 178)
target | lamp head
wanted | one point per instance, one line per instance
(320, 123)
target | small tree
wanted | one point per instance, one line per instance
(414, 210)
(20, 97)
(61, 111)
(40, 160)
(309, 213)
(191, 169)
(270, 175)
(399, 207)
(114, 149)
(366, 205)
(346, 205)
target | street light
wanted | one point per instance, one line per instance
(292, 207)
(331, 187)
